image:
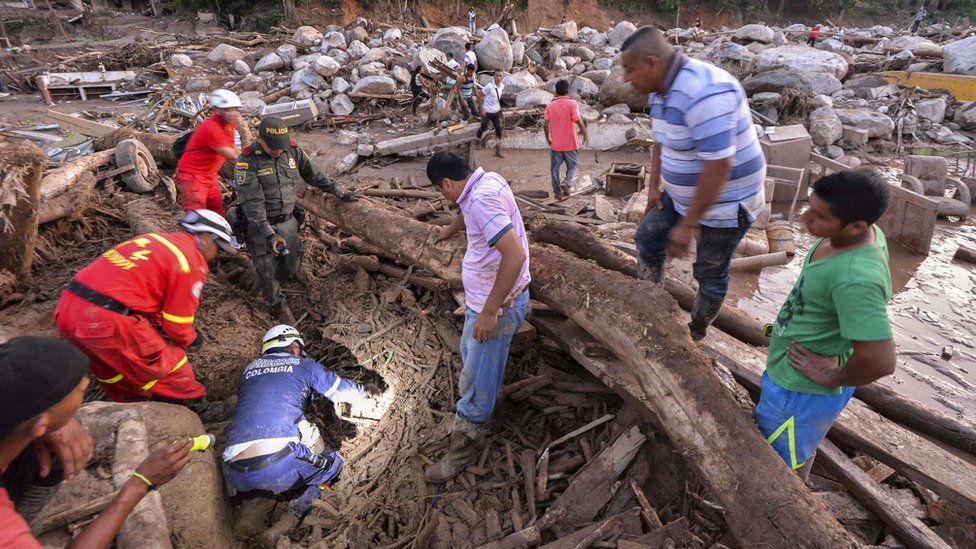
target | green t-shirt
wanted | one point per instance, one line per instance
(835, 301)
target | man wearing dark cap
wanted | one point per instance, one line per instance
(42, 384)
(267, 173)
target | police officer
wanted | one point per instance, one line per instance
(266, 175)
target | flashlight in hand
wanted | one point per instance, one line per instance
(203, 442)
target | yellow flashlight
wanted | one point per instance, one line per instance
(203, 442)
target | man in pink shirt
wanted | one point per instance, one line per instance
(562, 118)
(495, 276)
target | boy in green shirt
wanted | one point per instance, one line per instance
(832, 333)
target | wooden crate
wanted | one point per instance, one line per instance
(625, 179)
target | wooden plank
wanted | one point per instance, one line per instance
(79, 125)
(906, 526)
(864, 429)
(594, 484)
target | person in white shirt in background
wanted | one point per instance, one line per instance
(469, 56)
(490, 98)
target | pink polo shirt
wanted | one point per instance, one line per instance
(562, 114)
(490, 212)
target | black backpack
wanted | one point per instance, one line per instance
(179, 145)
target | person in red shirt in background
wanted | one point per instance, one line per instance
(42, 384)
(812, 37)
(131, 311)
(561, 119)
(211, 143)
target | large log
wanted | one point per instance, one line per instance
(160, 145)
(60, 180)
(70, 204)
(765, 504)
(21, 166)
(583, 243)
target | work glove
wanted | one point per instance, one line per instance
(197, 343)
(276, 244)
(348, 196)
(376, 387)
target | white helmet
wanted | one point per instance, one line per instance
(280, 337)
(211, 222)
(224, 99)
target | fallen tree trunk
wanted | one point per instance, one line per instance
(583, 243)
(21, 166)
(764, 503)
(61, 180)
(70, 204)
(160, 145)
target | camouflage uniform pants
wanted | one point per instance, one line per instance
(269, 266)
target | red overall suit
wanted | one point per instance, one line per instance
(159, 278)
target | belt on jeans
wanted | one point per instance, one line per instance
(258, 463)
(99, 300)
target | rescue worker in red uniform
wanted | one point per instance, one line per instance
(210, 144)
(131, 311)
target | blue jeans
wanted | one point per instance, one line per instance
(795, 423)
(714, 252)
(556, 159)
(484, 363)
(299, 471)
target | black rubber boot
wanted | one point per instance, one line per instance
(653, 274)
(703, 313)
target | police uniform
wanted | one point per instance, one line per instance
(266, 187)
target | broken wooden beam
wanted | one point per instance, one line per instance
(765, 503)
(585, 244)
(426, 142)
(62, 179)
(70, 204)
(907, 527)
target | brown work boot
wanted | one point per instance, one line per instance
(498, 150)
(564, 188)
(462, 452)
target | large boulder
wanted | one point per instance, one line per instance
(520, 81)
(776, 81)
(375, 85)
(603, 64)
(241, 67)
(342, 57)
(180, 60)
(341, 105)
(532, 97)
(287, 53)
(401, 75)
(566, 31)
(754, 33)
(801, 59)
(306, 79)
(579, 86)
(959, 57)
(225, 53)
(584, 53)
(392, 35)
(932, 110)
(822, 83)
(915, 44)
(340, 85)
(965, 116)
(356, 50)
(333, 39)
(197, 84)
(825, 127)
(307, 36)
(326, 66)
(518, 53)
(732, 57)
(598, 77)
(424, 55)
(356, 34)
(494, 51)
(450, 40)
(270, 62)
(374, 55)
(614, 90)
(878, 125)
(620, 33)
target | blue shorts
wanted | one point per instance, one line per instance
(795, 423)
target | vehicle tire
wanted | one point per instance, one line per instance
(145, 176)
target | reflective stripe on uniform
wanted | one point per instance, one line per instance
(790, 427)
(149, 385)
(177, 319)
(184, 264)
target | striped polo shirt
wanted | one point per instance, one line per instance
(705, 116)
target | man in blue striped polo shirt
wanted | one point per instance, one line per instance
(708, 160)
